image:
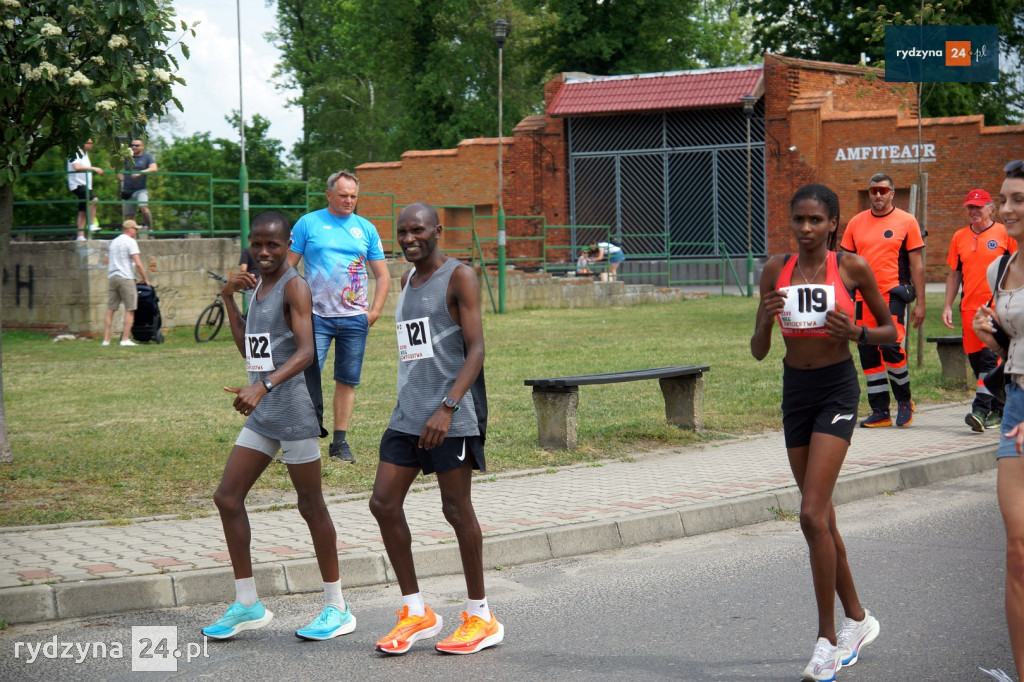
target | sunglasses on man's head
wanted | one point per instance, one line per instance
(880, 191)
(135, 145)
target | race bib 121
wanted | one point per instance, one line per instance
(414, 340)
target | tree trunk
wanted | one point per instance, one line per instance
(6, 221)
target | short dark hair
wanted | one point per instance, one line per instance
(270, 219)
(828, 199)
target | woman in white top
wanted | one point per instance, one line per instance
(613, 250)
(1008, 313)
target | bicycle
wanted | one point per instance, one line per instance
(212, 317)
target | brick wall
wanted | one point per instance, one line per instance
(827, 110)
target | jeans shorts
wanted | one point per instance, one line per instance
(292, 451)
(349, 334)
(1013, 414)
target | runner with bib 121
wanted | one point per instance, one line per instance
(812, 294)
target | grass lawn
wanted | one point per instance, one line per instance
(119, 433)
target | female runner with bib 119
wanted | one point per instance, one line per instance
(812, 294)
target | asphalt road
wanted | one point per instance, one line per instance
(735, 605)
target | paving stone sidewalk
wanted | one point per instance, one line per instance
(80, 570)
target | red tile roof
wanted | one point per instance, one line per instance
(649, 92)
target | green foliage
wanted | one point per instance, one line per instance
(221, 159)
(377, 79)
(841, 32)
(71, 71)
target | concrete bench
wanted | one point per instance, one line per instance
(955, 367)
(556, 399)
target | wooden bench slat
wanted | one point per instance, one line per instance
(618, 377)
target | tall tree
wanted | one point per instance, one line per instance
(68, 71)
(220, 157)
(607, 38)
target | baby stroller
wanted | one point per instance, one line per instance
(146, 326)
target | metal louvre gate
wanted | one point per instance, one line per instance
(672, 185)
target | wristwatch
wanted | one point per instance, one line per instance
(268, 384)
(451, 403)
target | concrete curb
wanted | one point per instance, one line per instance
(87, 598)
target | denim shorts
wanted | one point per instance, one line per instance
(349, 334)
(1013, 414)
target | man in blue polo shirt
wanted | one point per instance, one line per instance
(339, 248)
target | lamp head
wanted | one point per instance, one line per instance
(501, 30)
(749, 102)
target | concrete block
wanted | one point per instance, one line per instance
(753, 508)
(920, 473)
(434, 560)
(98, 597)
(27, 604)
(270, 579)
(584, 538)
(866, 484)
(513, 550)
(303, 575)
(204, 586)
(788, 500)
(556, 417)
(656, 527)
(707, 518)
(684, 401)
(362, 569)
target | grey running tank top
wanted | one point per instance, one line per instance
(425, 381)
(294, 409)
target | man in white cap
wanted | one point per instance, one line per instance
(122, 261)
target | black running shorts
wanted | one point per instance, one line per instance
(822, 400)
(401, 450)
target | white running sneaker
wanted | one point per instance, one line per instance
(996, 674)
(824, 663)
(854, 636)
(128, 342)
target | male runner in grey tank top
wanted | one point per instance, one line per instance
(438, 426)
(285, 412)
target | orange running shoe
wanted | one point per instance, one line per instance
(473, 635)
(409, 630)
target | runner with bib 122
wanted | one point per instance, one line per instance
(812, 295)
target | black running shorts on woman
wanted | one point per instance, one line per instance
(822, 400)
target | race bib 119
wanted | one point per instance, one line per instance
(806, 305)
(414, 340)
(258, 357)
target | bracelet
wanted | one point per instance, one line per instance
(863, 335)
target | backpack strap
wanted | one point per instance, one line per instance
(1000, 270)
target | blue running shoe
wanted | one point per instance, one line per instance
(331, 622)
(237, 619)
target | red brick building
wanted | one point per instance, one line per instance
(814, 122)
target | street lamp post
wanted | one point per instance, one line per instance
(243, 173)
(749, 102)
(501, 30)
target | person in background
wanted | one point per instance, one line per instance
(80, 172)
(971, 251)
(612, 249)
(122, 262)
(340, 247)
(890, 240)
(133, 182)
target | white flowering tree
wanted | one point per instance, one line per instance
(74, 69)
